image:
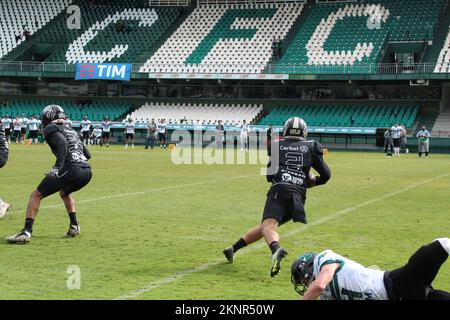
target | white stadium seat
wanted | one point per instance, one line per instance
(443, 63)
(198, 113)
(32, 15)
(249, 55)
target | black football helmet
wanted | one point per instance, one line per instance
(52, 113)
(302, 272)
(295, 128)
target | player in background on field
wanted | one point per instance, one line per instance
(244, 130)
(85, 129)
(162, 133)
(288, 172)
(7, 125)
(106, 130)
(404, 139)
(68, 123)
(96, 135)
(23, 128)
(333, 277)
(33, 127)
(396, 137)
(17, 125)
(151, 134)
(388, 143)
(220, 135)
(4, 152)
(424, 141)
(70, 173)
(129, 132)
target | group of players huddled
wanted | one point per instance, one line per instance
(395, 141)
(18, 127)
(327, 275)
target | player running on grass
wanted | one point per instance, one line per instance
(70, 173)
(4, 152)
(290, 163)
(333, 277)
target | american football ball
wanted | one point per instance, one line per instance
(311, 181)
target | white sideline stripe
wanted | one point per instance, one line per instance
(165, 188)
(145, 192)
(169, 279)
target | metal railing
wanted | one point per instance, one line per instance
(246, 2)
(172, 3)
(380, 69)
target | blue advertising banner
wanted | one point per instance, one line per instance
(255, 128)
(103, 71)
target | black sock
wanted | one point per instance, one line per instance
(29, 224)
(239, 244)
(420, 154)
(426, 154)
(73, 218)
(274, 246)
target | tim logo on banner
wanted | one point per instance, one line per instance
(104, 71)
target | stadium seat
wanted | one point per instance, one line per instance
(344, 116)
(340, 35)
(198, 113)
(16, 16)
(96, 110)
(225, 39)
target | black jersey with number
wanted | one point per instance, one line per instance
(4, 151)
(293, 162)
(66, 146)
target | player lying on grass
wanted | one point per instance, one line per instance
(292, 159)
(4, 152)
(333, 277)
(70, 173)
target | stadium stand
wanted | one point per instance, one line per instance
(103, 40)
(117, 32)
(225, 39)
(18, 16)
(324, 40)
(441, 127)
(344, 116)
(96, 111)
(198, 113)
(221, 38)
(443, 63)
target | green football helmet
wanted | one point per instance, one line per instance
(302, 272)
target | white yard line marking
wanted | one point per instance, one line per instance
(130, 194)
(169, 279)
(121, 195)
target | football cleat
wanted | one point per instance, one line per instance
(229, 253)
(74, 230)
(4, 208)
(21, 238)
(279, 255)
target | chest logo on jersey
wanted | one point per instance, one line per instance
(286, 177)
(304, 149)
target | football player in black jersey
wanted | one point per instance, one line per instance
(4, 152)
(290, 162)
(70, 173)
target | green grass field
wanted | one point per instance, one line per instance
(154, 230)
